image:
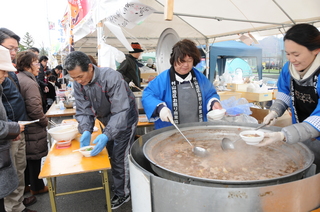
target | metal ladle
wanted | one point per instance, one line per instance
(199, 151)
(227, 144)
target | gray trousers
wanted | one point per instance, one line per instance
(13, 202)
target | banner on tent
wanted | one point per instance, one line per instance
(130, 15)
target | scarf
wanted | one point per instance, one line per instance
(307, 72)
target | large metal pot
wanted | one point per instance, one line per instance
(297, 152)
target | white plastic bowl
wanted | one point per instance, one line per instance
(216, 114)
(252, 137)
(62, 144)
(85, 151)
(64, 132)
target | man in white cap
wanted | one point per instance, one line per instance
(15, 109)
(129, 67)
(8, 130)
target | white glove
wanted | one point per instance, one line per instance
(271, 118)
(271, 138)
(131, 84)
(166, 115)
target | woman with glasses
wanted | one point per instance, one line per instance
(180, 94)
(35, 134)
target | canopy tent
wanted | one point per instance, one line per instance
(209, 21)
(219, 52)
(206, 21)
(238, 65)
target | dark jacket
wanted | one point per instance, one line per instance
(35, 134)
(12, 99)
(57, 83)
(41, 76)
(52, 91)
(130, 70)
(8, 174)
(108, 98)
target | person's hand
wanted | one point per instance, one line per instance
(101, 142)
(150, 78)
(271, 118)
(21, 127)
(271, 138)
(166, 115)
(216, 105)
(17, 138)
(46, 89)
(131, 84)
(85, 139)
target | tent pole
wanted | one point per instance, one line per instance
(226, 19)
(99, 40)
(207, 58)
(168, 10)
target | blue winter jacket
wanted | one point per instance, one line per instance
(12, 99)
(159, 91)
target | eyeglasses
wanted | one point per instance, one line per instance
(36, 63)
(12, 49)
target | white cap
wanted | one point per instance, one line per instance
(150, 61)
(5, 60)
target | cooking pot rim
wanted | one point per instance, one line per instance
(307, 163)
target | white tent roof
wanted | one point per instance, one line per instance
(212, 21)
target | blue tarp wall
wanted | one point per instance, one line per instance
(219, 52)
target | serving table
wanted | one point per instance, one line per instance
(56, 112)
(63, 162)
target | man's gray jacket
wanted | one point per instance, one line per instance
(109, 98)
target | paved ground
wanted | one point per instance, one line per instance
(92, 201)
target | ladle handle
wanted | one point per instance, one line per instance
(181, 133)
(263, 125)
(138, 88)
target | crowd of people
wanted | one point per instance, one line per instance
(180, 94)
(26, 94)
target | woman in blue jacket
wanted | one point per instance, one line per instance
(299, 90)
(180, 94)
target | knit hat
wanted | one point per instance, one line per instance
(5, 60)
(136, 47)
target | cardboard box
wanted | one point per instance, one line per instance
(283, 121)
(237, 87)
(146, 76)
(227, 94)
(274, 94)
(257, 97)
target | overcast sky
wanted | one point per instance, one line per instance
(32, 16)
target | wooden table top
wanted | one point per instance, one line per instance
(56, 112)
(60, 162)
(143, 121)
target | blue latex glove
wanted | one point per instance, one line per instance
(101, 142)
(85, 139)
